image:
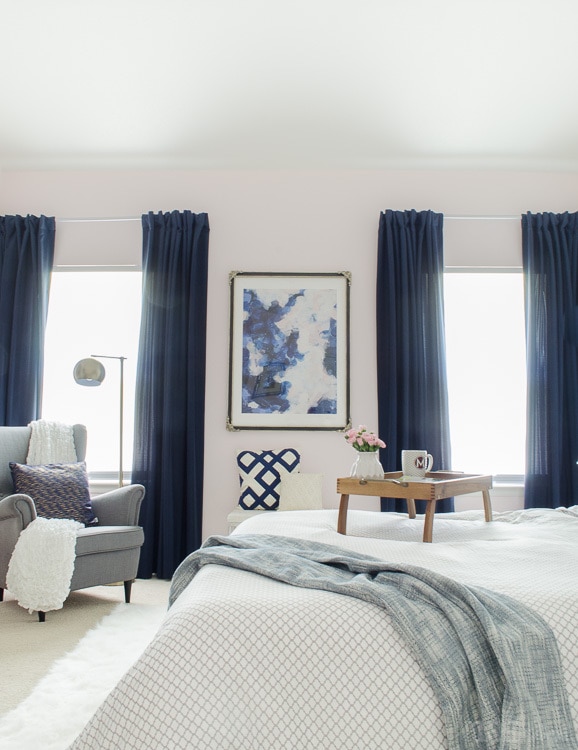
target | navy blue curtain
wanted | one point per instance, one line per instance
(26, 259)
(550, 262)
(411, 363)
(170, 388)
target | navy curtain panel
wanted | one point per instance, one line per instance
(550, 263)
(412, 392)
(26, 259)
(170, 388)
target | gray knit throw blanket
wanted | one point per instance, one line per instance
(493, 663)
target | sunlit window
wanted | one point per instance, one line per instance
(486, 355)
(93, 313)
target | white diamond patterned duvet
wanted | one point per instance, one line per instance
(246, 662)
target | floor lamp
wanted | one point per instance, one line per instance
(91, 372)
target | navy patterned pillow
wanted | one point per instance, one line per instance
(260, 475)
(58, 490)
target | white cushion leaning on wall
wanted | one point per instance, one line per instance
(301, 492)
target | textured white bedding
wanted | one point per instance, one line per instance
(247, 662)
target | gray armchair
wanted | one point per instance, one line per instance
(106, 553)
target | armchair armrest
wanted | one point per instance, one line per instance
(120, 507)
(19, 507)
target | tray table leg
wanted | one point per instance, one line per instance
(487, 505)
(342, 517)
(430, 510)
(411, 507)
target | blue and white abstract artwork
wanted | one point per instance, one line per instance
(289, 351)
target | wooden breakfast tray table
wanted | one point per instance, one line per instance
(437, 485)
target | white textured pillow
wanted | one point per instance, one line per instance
(301, 492)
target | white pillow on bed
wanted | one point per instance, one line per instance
(301, 492)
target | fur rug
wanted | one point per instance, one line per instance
(64, 700)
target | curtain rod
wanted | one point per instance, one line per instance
(138, 218)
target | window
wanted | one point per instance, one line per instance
(93, 313)
(486, 364)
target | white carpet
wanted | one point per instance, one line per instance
(64, 700)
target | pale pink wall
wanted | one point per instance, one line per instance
(292, 221)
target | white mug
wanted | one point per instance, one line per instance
(416, 463)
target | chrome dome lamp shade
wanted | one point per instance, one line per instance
(89, 372)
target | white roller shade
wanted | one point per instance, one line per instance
(479, 242)
(108, 243)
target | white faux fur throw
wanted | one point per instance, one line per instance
(51, 443)
(42, 564)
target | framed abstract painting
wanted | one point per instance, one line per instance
(289, 351)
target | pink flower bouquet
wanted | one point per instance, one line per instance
(363, 440)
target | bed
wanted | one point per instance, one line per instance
(245, 661)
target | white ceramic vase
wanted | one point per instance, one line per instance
(367, 466)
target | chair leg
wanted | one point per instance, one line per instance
(41, 616)
(127, 588)
(1, 595)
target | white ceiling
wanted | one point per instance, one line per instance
(289, 83)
